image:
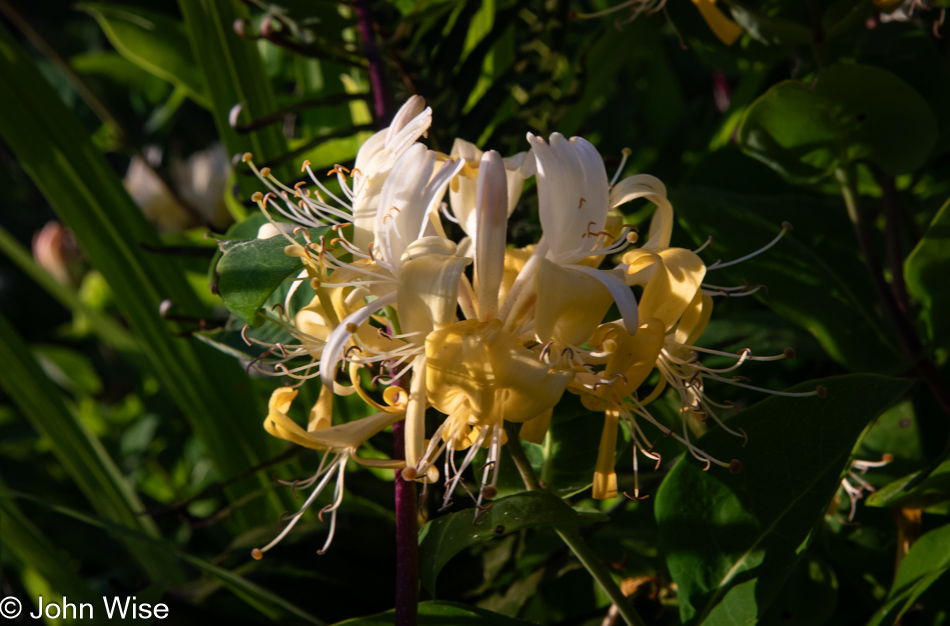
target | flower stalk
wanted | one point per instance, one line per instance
(407, 540)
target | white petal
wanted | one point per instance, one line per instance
(490, 240)
(332, 352)
(613, 280)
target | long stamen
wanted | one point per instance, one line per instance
(786, 226)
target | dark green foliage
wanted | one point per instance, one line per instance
(133, 457)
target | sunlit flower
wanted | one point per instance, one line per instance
(338, 443)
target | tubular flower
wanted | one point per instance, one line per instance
(482, 333)
(339, 444)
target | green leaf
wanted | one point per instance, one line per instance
(926, 270)
(772, 31)
(809, 596)
(68, 368)
(932, 490)
(850, 113)
(250, 270)
(154, 42)
(104, 326)
(446, 536)
(234, 74)
(437, 613)
(81, 186)
(31, 546)
(813, 276)
(927, 561)
(78, 450)
(731, 540)
(269, 604)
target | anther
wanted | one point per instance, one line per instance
(708, 465)
(745, 352)
(745, 437)
(351, 328)
(735, 466)
(350, 349)
(306, 164)
(626, 152)
(820, 391)
(244, 334)
(247, 157)
(789, 353)
(636, 497)
(887, 457)
(257, 196)
(787, 226)
(581, 203)
(256, 554)
(265, 172)
(409, 473)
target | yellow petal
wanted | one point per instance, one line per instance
(725, 29)
(570, 304)
(675, 282)
(340, 437)
(694, 320)
(428, 285)
(605, 478)
(534, 430)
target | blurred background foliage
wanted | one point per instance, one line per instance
(133, 458)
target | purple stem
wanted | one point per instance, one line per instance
(407, 542)
(376, 79)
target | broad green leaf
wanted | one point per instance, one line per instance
(731, 540)
(850, 113)
(79, 451)
(571, 449)
(927, 561)
(446, 536)
(234, 74)
(813, 276)
(154, 42)
(56, 152)
(926, 270)
(269, 604)
(439, 613)
(908, 493)
(250, 270)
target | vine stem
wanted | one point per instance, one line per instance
(376, 77)
(407, 539)
(910, 342)
(571, 538)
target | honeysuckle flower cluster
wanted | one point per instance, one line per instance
(483, 332)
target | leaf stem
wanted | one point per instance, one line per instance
(571, 539)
